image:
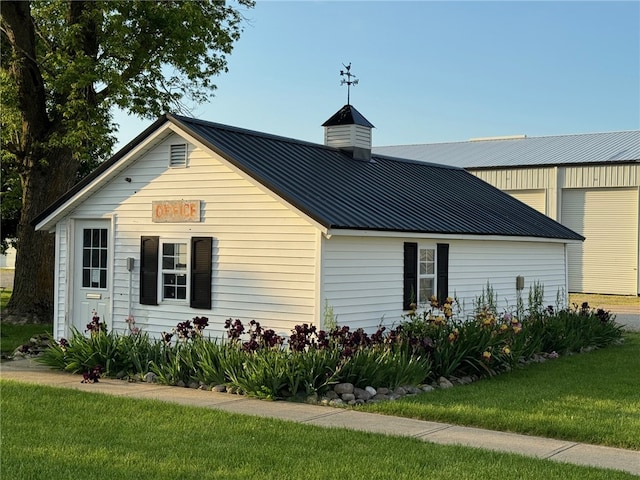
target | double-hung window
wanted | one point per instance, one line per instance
(426, 273)
(174, 271)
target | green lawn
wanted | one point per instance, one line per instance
(61, 434)
(12, 336)
(592, 398)
(5, 295)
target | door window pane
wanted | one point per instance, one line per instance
(94, 258)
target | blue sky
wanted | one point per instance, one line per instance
(431, 71)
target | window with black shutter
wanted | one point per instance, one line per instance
(149, 270)
(201, 257)
(410, 275)
(443, 272)
(166, 267)
(426, 273)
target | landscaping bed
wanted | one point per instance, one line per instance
(430, 348)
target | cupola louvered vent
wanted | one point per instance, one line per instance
(178, 155)
(349, 131)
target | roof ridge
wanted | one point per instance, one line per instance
(498, 139)
(244, 131)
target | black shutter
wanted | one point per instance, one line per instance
(149, 270)
(410, 291)
(442, 257)
(201, 272)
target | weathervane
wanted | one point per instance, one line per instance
(347, 73)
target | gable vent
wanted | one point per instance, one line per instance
(178, 155)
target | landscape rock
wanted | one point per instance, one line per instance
(383, 391)
(380, 396)
(363, 394)
(219, 388)
(399, 392)
(372, 391)
(150, 377)
(348, 397)
(444, 383)
(427, 388)
(331, 395)
(342, 388)
(412, 390)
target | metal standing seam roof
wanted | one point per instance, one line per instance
(384, 194)
(528, 151)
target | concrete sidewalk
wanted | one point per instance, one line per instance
(558, 450)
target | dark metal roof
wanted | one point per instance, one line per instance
(348, 115)
(385, 194)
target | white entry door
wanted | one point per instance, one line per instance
(91, 290)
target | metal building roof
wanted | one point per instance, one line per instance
(525, 151)
(384, 194)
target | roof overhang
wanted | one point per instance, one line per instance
(443, 236)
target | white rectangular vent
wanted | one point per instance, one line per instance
(178, 155)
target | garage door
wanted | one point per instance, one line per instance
(533, 198)
(607, 261)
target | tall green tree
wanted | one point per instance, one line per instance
(64, 66)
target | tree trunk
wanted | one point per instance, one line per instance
(32, 296)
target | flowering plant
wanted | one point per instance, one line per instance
(95, 326)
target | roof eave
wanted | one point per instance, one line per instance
(372, 232)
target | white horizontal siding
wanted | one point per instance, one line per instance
(363, 277)
(474, 264)
(362, 280)
(264, 254)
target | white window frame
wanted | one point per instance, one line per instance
(162, 271)
(178, 158)
(100, 268)
(426, 275)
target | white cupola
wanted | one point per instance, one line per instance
(349, 131)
